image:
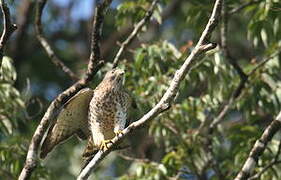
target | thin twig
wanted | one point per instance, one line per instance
(233, 98)
(46, 45)
(51, 113)
(168, 98)
(268, 166)
(262, 63)
(236, 10)
(139, 160)
(258, 148)
(9, 28)
(236, 93)
(134, 33)
(166, 13)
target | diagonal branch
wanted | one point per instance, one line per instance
(95, 61)
(258, 148)
(243, 6)
(168, 98)
(46, 45)
(134, 33)
(236, 93)
(273, 162)
(9, 28)
(93, 66)
(262, 63)
(166, 13)
(218, 119)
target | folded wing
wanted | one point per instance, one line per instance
(72, 119)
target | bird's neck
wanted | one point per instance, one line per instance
(110, 88)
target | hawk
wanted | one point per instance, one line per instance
(97, 115)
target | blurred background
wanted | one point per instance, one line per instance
(175, 144)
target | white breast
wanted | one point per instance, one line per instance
(120, 117)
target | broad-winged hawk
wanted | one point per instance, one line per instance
(96, 115)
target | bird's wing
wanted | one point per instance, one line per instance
(72, 119)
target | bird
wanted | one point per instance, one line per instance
(95, 115)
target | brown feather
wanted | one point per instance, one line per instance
(71, 120)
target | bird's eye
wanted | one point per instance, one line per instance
(112, 78)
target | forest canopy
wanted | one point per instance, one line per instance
(204, 77)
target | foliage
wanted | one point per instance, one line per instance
(175, 144)
(12, 106)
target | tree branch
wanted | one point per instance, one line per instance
(236, 93)
(9, 28)
(166, 13)
(272, 163)
(218, 119)
(134, 33)
(258, 148)
(262, 63)
(93, 66)
(45, 44)
(139, 160)
(224, 43)
(100, 10)
(236, 10)
(168, 98)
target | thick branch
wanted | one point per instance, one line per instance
(48, 48)
(169, 95)
(258, 148)
(9, 28)
(134, 33)
(270, 165)
(49, 116)
(100, 10)
(273, 162)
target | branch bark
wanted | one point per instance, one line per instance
(46, 45)
(165, 102)
(134, 33)
(273, 162)
(259, 148)
(8, 30)
(93, 66)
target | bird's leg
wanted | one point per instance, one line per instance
(104, 144)
(118, 132)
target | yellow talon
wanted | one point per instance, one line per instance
(119, 132)
(104, 144)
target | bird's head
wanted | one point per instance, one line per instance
(114, 77)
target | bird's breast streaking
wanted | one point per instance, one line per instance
(96, 115)
(108, 109)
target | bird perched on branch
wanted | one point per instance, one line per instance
(97, 115)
